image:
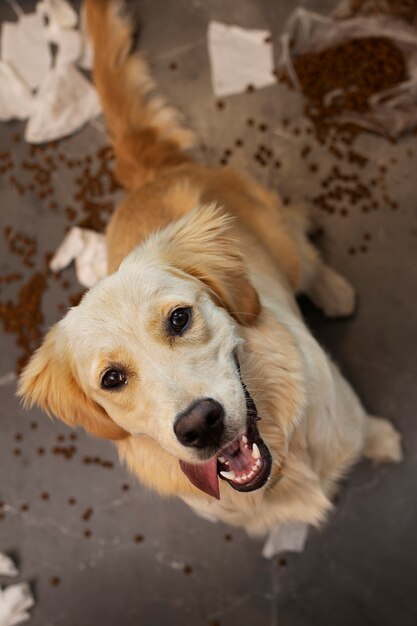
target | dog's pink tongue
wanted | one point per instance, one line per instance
(203, 476)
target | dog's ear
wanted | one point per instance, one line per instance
(201, 244)
(49, 381)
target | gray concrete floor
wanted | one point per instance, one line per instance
(150, 561)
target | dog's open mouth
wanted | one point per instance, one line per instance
(245, 463)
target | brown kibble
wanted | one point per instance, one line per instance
(72, 501)
(187, 569)
(107, 464)
(268, 39)
(87, 533)
(17, 451)
(87, 460)
(367, 236)
(277, 164)
(33, 425)
(18, 437)
(344, 212)
(250, 121)
(263, 127)
(173, 65)
(228, 537)
(228, 152)
(250, 88)
(282, 562)
(73, 436)
(352, 251)
(364, 248)
(60, 437)
(87, 514)
(24, 507)
(54, 581)
(125, 487)
(45, 495)
(238, 143)
(220, 104)
(41, 451)
(313, 167)
(138, 538)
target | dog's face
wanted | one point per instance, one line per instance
(151, 350)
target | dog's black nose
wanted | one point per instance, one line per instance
(201, 425)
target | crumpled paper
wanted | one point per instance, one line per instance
(65, 99)
(88, 249)
(64, 103)
(7, 567)
(290, 537)
(16, 100)
(15, 600)
(239, 58)
(24, 47)
(60, 14)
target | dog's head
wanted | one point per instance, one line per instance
(152, 350)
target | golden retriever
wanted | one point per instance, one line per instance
(192, 354)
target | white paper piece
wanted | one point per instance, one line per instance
(60, 13)
(15, 601)
(64, 103)
(24, 46)
(16, 100)
(238, 58)
(7, 567)
(290, 537)
(69, 44)
(87, 55)
(88, 248)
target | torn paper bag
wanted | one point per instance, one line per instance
(88, 249)
(64, 103)
(15, 601)
(7, 567)
(16, 100)
(24, 47)
(290, 537)
(239, 58)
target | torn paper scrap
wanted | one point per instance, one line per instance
(88, 249)
(69, 44)
(24, 46)
(15, 601)
(86, 60)
(290, 537)
(239, 58)
(64, 103)
(7, 567)
(16, 100)
(60, 13)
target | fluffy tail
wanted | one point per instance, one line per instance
(147, 134)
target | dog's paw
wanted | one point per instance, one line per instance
(383, 442)
(332, 293)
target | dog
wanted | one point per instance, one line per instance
(192, 355)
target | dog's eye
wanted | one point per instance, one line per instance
(112, 379)
(179, 320)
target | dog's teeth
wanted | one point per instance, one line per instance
(244, 439)
(258, 463)
(238, 479)
(255, 452)
(252, 473)
(230, 475)
(222, 459)
(244, 476)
